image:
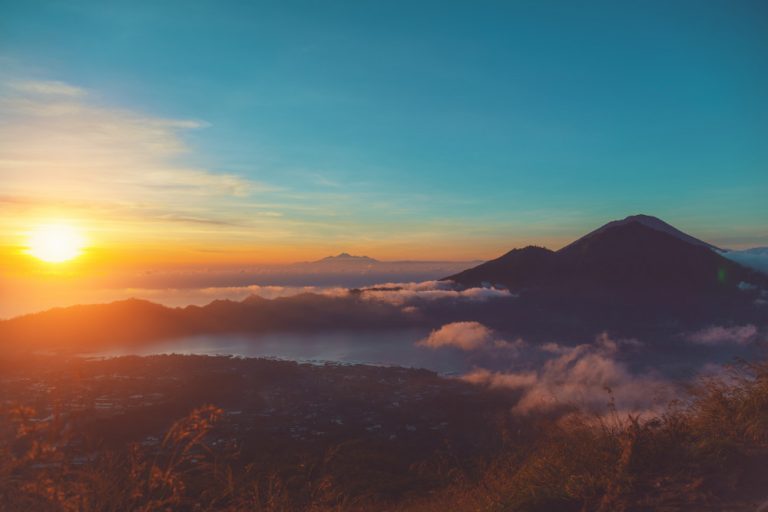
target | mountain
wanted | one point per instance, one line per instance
(351, 271)
(639, 255)
(634, 278)
(755, 258)
(95, 327)
(345, 258)
(652, 222)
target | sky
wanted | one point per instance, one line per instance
(230, 131)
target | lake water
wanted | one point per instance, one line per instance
(396, 347)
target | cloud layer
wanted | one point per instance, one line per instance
(61, 133)
(588, 375)
(463, 335)
(106, 162)
(402, 293)
(718, 335)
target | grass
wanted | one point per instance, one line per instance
(707, 453)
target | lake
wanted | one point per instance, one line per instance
(396, 347)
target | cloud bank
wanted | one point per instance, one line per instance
(463, 335)
(402, 293)
(468, 336)
(407, 296)
(718, 335)
(588, 375)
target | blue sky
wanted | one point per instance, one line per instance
(413, 128)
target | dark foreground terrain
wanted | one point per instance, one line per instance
(220, 433)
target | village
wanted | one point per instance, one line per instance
(272, 410)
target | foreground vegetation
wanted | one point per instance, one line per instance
(706, 453)
(709, 453)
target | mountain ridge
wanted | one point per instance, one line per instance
(629, 278)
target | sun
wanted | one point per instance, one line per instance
(55, 243)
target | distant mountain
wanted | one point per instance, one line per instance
(634, 256)
(346, 258)
(755, 258)
(352, 271)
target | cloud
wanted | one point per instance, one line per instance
(587, 375)
(123, 162)
(717, 335)
(467, 336)
(463, 335)
(202, 295)
(75, 153)
(520, 380)
(401, 293)
(50, 87)
(756, 258)
(744, 286)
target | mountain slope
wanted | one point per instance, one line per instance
(652, 222)
(519, 268)
(124, 323)
(624, 257)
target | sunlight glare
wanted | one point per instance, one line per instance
(55, 243)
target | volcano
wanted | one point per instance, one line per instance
(638, 255)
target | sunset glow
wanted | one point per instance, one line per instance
(383, 256)
(55, 243)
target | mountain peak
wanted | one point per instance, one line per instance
(640, 255)
(648, 221)
(345, 257)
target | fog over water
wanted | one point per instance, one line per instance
(410, 348)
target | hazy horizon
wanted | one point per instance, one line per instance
(39, 287)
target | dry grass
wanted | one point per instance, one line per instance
(706, 454)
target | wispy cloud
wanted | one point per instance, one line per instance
(60, 144)
(49, 87)
(719, 335)
(467, 336)
(67, 151)
(402, 293)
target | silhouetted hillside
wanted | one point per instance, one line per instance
(623, 258)
(652, 222)
(122, 323)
